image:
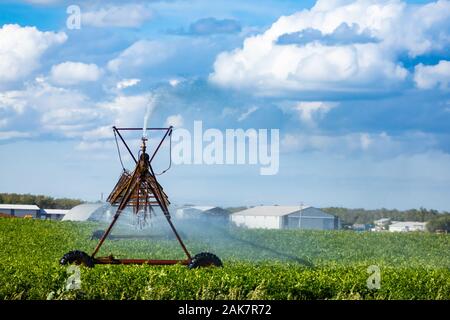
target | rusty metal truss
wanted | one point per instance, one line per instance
(141, 191)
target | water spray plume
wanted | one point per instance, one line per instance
(148, 112)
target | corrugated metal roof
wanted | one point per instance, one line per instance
(19, 207)
(382, 220)
(200, 208)
(56, 211)
(270, 211)
(403, 224)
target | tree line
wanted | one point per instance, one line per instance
(436, 220)
(363, 216)
(44, 202)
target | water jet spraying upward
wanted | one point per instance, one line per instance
(148, 113)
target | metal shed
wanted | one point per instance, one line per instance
(198, 212)
(286, 217)
(55, 214)
(21, 210)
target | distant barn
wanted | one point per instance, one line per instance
(31, 210)
(199, 212)
(21, 210)
(55, 214)
(407, 226)
(285, 217)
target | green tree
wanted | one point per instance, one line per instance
(441, 222)
(359, 215)
(41, 201)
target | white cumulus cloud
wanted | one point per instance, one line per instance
(128, 15)
(391, 28)
(127, 110)
(21, 49)
(143, 53)
(428, 77)
(70, 73)
(125, 83)
(376, 144)
(175, 120)
(174, 82)
(41, 108)
(310, 110)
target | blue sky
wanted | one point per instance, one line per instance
(359, 90)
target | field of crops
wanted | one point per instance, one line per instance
(258, 264)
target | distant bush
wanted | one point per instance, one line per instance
(41, 201)
(363, 216)
(439, 223)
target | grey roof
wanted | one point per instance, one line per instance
(199, 208)
(383, 220)
(19, 207)
(202, 208)
(82, 212)
(56, 211)
(402, 224)
(277, 211)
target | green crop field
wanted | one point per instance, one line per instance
(258, 264)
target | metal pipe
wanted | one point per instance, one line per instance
(161, 142)
(167, 215)
(121, 138)
(122, 206)
(158, 193)
(137, 129)
(178, 238)
(111, 260)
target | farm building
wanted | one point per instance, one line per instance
(21, 210)
(55, 214)
(381, 224)
(285, 217)
(406, 226)
(194, 212)
(84, 212)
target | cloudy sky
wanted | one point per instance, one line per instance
(359, 89)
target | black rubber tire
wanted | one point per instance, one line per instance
(77, 257)
(205, 259)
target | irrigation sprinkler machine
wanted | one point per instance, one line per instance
(140, 191)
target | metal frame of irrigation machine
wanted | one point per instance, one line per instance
(140, 191)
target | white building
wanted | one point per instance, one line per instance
(55, 214)
(406, 226)
(285, 217)
(21, 210)
(194, 212)
(381, 224)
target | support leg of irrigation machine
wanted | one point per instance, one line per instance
(130, 190)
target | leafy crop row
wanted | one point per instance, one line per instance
(258, 264)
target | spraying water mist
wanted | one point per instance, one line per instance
(150, 106)
(200, 233)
